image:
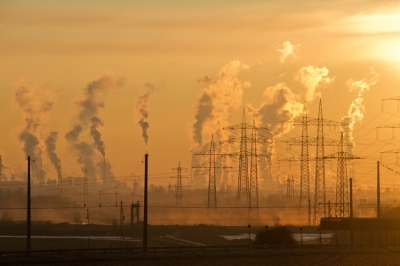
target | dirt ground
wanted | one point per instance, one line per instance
(342, 258)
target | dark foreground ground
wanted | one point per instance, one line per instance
(231, 258)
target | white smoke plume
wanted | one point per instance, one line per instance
(84, 137)
(35, 110)
(216, 102)
(213, 108)
(288, 49)
(51, 151)
(313, 78)
(141, 108)
(356, 109)
(280, 104)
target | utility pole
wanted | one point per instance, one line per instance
(145, 204)
(28, 210)
(1, 168)
(351, 213)
(121, 216)
(378, 191)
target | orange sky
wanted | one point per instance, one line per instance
(57, 49)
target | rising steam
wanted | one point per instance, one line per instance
(313, 78)
(215, 102)
(287, 49)
(356, 109)
(85, 137)
(51, 151)
(141, 108)
(35, 110)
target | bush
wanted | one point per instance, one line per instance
(276, 235)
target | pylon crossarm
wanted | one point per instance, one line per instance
(345, 155)
(391, 151)
(298, 121)
(390, 126)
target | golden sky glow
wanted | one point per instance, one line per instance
(58, 47)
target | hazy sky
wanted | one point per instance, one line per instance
(158, 55)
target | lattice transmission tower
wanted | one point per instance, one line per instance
(253, 195)
(85, 189)
(178, 185)
(342, 206)
(392, 126)
(212, 182)
(319, 204)
(245, 181)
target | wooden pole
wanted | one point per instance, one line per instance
(28, 210)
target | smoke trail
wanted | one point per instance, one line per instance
(96, 135)
(212, 112)
(141, 108)
(35, 109)
(312, 78)
(287, 50)
(51, 151)
(84, 137)
(280, 104)
(215, 102)
(356, 109)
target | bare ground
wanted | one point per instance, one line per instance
(242, 258)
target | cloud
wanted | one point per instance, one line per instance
(313, 78)
(287, 49)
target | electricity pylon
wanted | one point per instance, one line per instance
(392, 126)
(243, 191)
(320, 142)
(253, 195)
(342, 208)
(178, 186)
(85, 189)
(396, 98)
(60, 181)
(212, 183)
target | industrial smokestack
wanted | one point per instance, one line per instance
(88, 123)
(35, 110)
(141, 108)
(51, 151)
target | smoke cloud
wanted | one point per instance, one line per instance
(280, 104)
(287, 49)
(356, 109)
(51, 151)
(35, 110)
(215, 102)
(312, 78)
(96, 135)
(141, 108)
(85, 137)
